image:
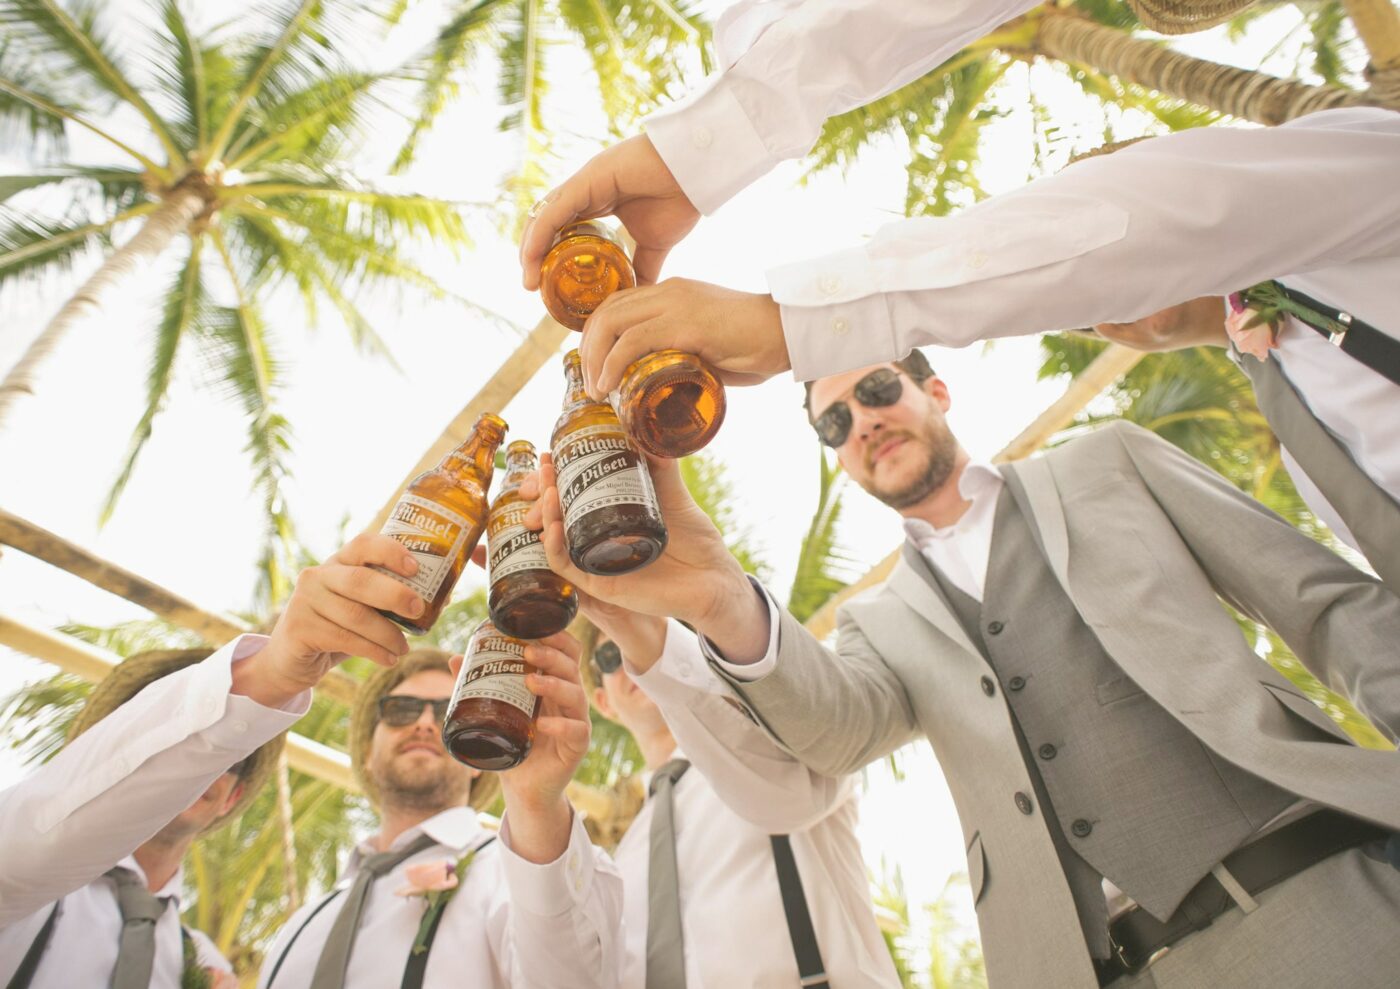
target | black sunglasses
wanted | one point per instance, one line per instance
(877, 390)
(607, 657)
(402, 710)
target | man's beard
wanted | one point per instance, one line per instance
(438, 787)
(941, 449)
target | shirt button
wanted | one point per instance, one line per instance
(994, 628)
(701, 137)
(829, 284)
(1081, 828)
(1048, 751)
(988, 687)
(240, 727)
(1023, 803)
(1016, 683)
(840, 326)
(976, 259)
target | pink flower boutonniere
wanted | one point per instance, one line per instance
(1251, 331)
(436, 882)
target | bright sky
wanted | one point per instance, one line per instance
(187, 520)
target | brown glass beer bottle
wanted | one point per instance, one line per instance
(440, 519)
(527, 599)
(670, 402)
(612, 523)
(490, 721)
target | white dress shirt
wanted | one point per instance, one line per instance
(742, 788)
(102, 796)
(1312, 203)
(512, 924)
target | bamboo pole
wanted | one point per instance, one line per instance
(537, 349)
(1377, 22)
(53, 549)
(1108, 367)
(92, 664)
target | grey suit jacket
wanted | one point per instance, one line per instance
(1145, 540)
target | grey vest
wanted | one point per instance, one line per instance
(1132, 794)
(1370, 512)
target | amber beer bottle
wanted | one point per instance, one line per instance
(612, 523)
(527, 599)
(490, 721)
(670, 402)
(440, 519)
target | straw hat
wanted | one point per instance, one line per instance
(364, 715)
(129, 677)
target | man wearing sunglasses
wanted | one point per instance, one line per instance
(535, 906)
(1137, 787)
(742, 869)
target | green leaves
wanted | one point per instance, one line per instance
(822, 569)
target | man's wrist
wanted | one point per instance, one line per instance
(257, 677)
(738, 624)
(539, 823)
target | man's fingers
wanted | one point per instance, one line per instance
(619, 312)
(568, 731)
(371, 588)
(454, 663)
(634, 343)
(373, 548)
(479, 555)
(360, 621)
(647, 263)
(329, 636)
(530, 485)
(576, 199)
(565, 643)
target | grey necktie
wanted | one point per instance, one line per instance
(335, 956)
(141, 910)
(665, 947)
(1371, 514)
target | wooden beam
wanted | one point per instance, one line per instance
(1107, 368)
(92, 664)
(216, 630)
(1377, 23)
(514, 374)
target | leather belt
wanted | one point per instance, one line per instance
(1137, 935)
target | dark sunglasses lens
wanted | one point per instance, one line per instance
(834, 425)
(398, 712)
(608, 657)
(879, 388)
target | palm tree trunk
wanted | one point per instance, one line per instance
(1378, 24)
(1240, 93)
(156, 233)
(285, 819)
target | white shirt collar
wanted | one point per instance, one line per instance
(456, 829)
(171, 890)
(981, 480)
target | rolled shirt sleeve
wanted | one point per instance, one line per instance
(122, 780)
(791, 65)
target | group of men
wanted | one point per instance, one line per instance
(1145, 801)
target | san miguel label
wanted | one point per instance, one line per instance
(597, 467)
(496, 670)
(514, 548)
(434, 535)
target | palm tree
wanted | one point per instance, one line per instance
(641, 53)
(228, 147)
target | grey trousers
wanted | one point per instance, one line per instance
(1336, 924)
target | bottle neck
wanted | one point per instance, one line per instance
(517, 469)
(574, 393)
(476, 457)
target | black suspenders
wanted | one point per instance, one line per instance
(30, 965)
(799, 918)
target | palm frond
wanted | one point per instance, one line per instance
(79, 42)
(15, 98)
(712, 490)
(22, 121)
(822, 569)
(34, 719)
(309, 125)
(180, 73)
(942, 169)
(120, 188)
(332, 201)
(185, 307)
(32, 248)
(1330, 45)
(457, 45)
(523, 87)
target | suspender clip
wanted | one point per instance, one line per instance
(1337, 337)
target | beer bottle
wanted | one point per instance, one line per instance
(440, 519)
(612, 523)
(670, 402)
(490, 721)
(527, 599)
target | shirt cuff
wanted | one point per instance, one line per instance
(834, 317)
(749, 672)
(710, 145)
(682, 661)
(553, 888)
(241, 720)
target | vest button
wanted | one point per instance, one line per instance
(1023, 803)
(994, 628)
(988, 687)
(1047, 751)
(1081, 828)
(1016, 683)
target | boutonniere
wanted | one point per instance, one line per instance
(436, 882)
(1256, 315)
